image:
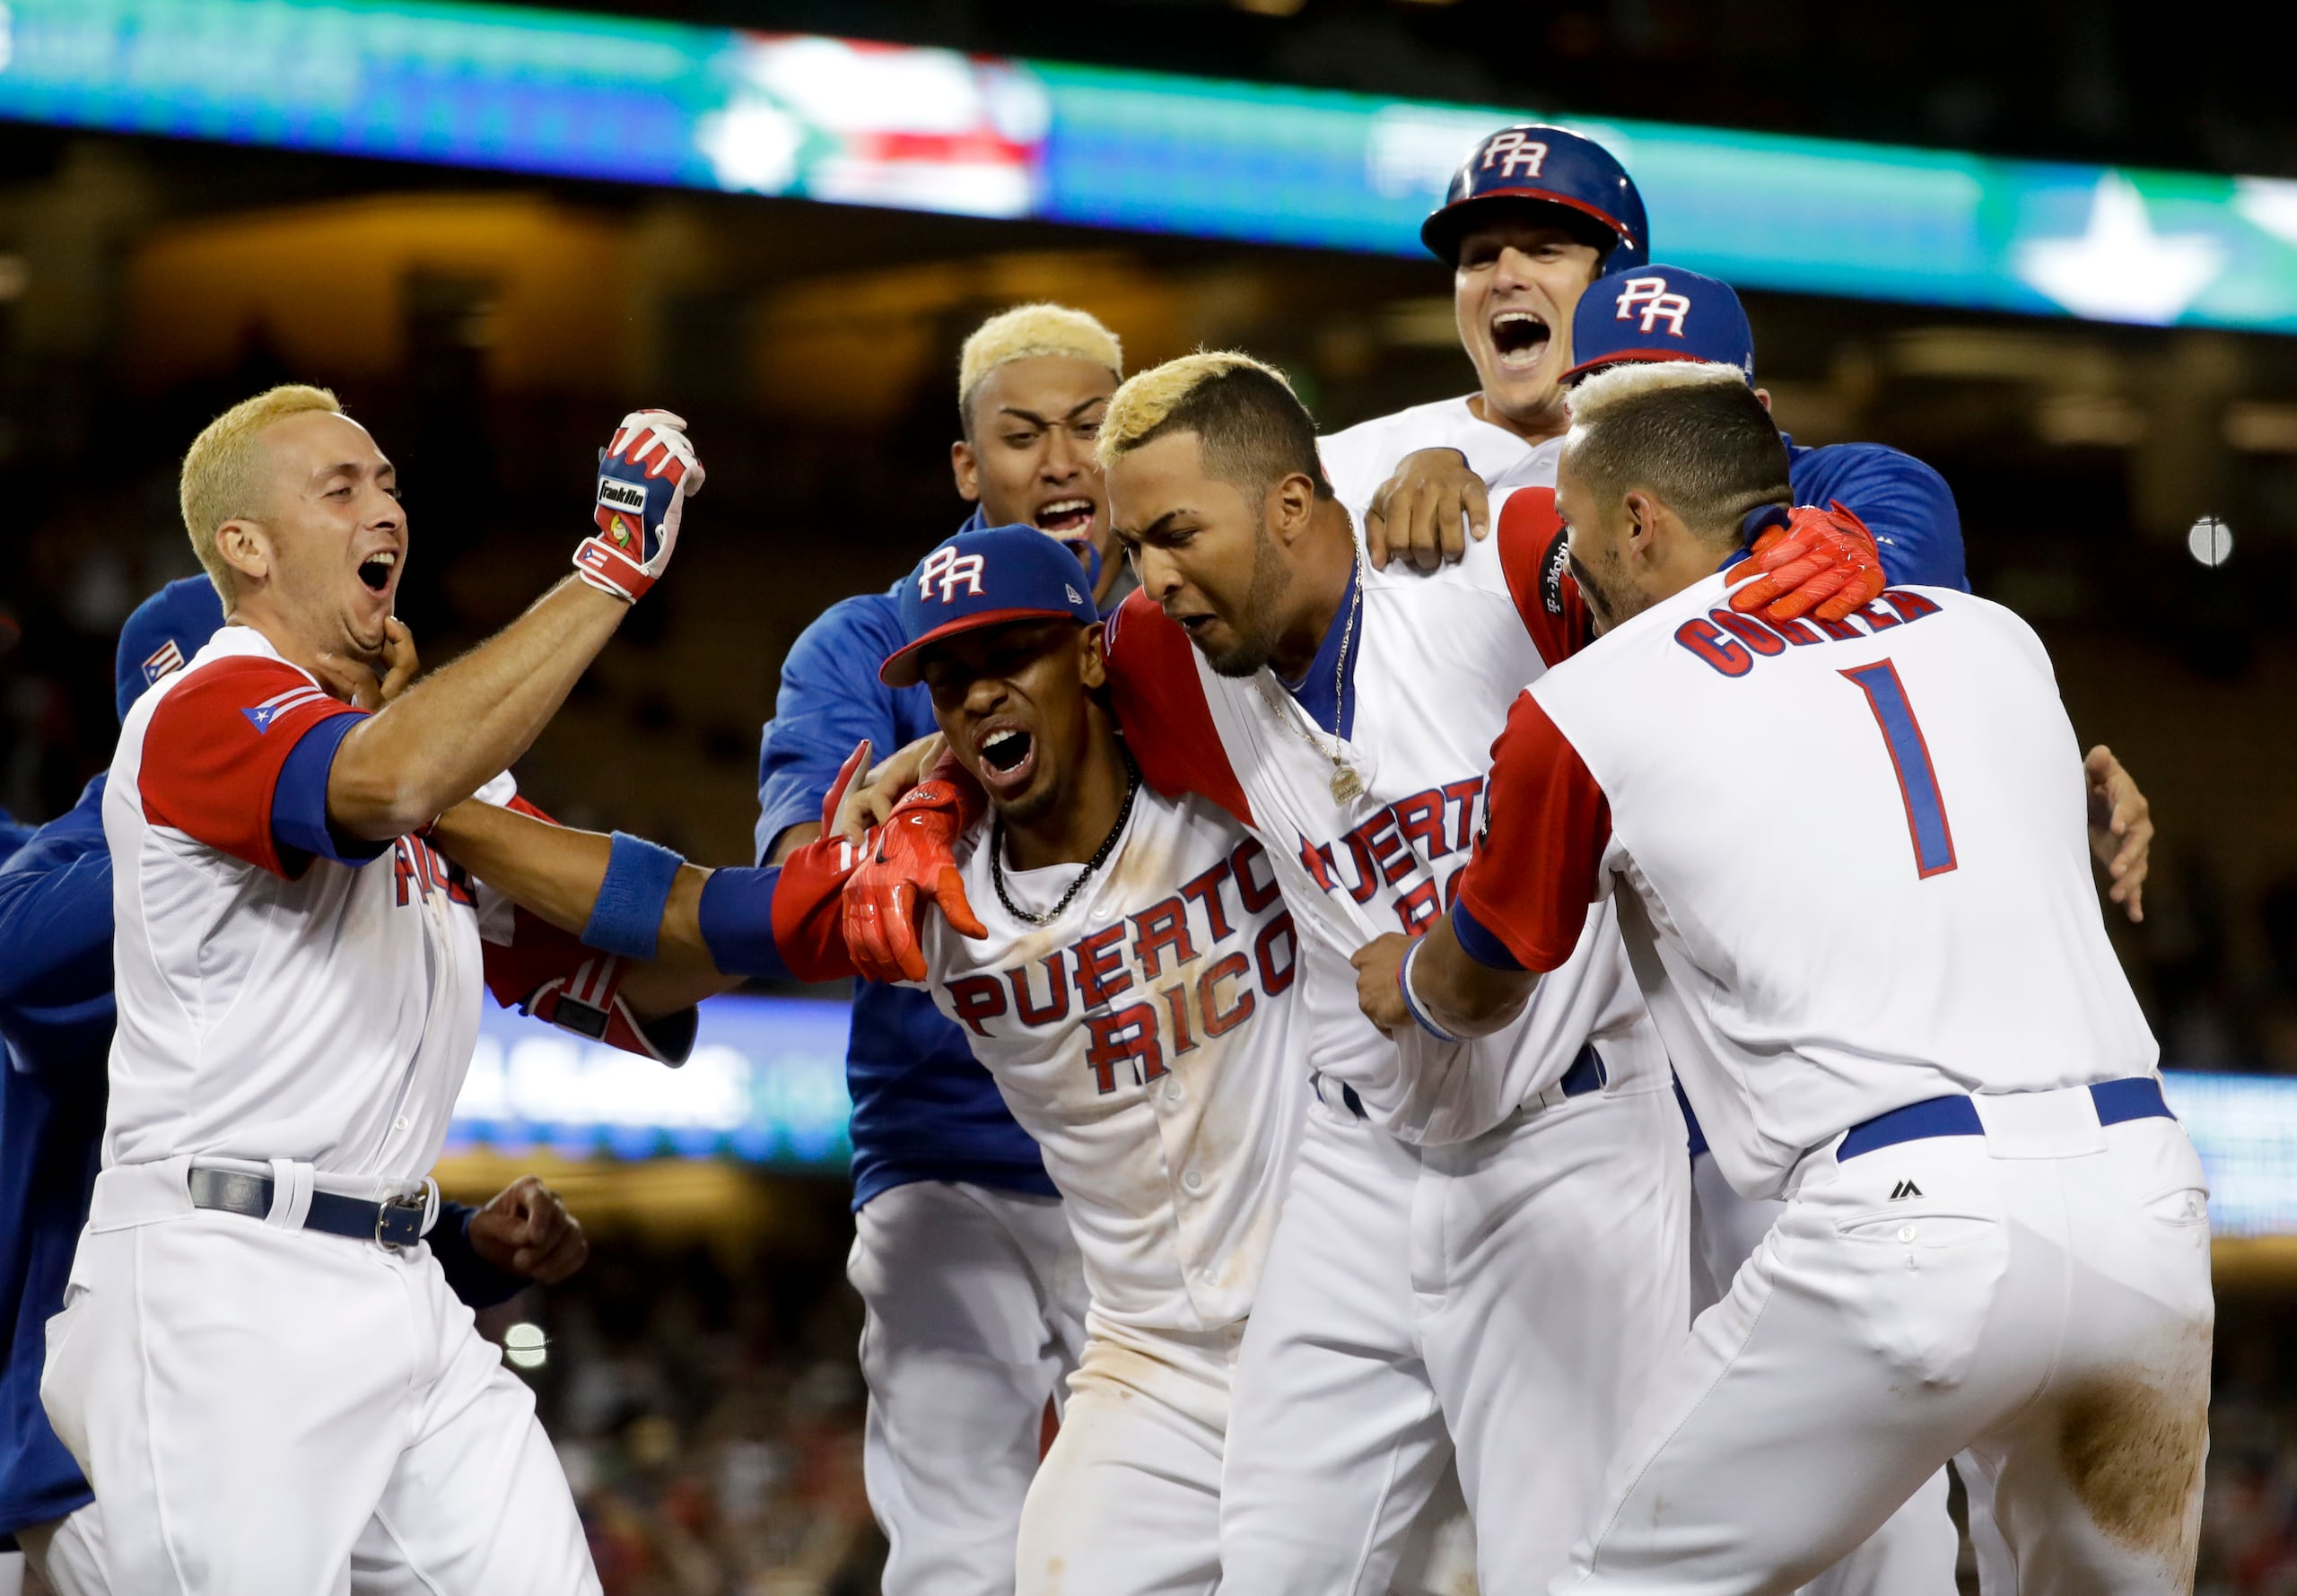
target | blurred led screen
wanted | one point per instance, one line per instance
(765, 1083)
(2245, 1127)
(933, 130)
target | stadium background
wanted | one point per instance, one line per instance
(197, 201)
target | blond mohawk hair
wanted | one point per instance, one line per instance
(1250, 429)
(1026, 331)
(221, 479)
(1144, 404)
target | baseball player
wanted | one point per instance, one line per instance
(1032, 383)
(968, 1275)
(296, 977)
(1660, 312)
(1130, 984)
(55, 1017)
(1996, 1239)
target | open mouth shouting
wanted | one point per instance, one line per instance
(377, 569)
(1065, 518)
(1008, 754)
(1519, 338)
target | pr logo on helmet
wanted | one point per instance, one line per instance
(1513, 150)
(1656, 302)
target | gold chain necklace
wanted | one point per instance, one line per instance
(1347, 782)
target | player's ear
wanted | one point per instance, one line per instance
(245, 548)
(1289, 503)
(966, 468)
(1642, 514)
(1762, 395)
(1092, 659)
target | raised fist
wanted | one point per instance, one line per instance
(645, 477)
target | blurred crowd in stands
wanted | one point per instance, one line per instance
(709, 1419)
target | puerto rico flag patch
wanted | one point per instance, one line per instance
(164, 660)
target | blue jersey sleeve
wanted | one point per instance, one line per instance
(56, 975)
(1906, 504)
(830, 700)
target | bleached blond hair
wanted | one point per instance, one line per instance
(1251, 428)
(223, 477)
(1692, 432)
(1027, 331)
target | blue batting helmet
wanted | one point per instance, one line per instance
(1660, 313)
(1548, 166)
(162, 634)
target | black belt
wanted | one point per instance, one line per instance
(398, 1223)
(2134, 1097)
(1586, 1074)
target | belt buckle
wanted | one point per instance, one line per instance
(385, 1231)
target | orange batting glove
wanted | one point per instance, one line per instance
(913, 855)
(1823, 561)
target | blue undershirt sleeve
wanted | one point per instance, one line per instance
(298, 819)
(736, 916)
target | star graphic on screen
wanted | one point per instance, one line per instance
(2119, 269)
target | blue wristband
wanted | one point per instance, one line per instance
(1412, 998)
(628, 915)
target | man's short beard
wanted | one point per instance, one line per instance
(1603, 595)
(1257, 633)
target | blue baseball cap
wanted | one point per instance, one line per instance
(162, 634)
(1660, 313)
(1543, 165)
(986, 579)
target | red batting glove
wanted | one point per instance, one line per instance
(914, 853)
(1823, 562)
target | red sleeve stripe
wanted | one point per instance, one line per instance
(214, 748)
(1160, 700)
(1546, 825)
(1533, 542)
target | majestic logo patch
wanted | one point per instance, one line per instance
(1512, 150)
(947, 567)
(164, 660)
(1904, 1190)
(1657, 304)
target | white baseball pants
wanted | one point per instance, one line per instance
(975, 1312)
(1128, 1501)
(250, 1401)
(69, 1554)
(1508, 1297)
(1915, 1551)
(2036, 1299)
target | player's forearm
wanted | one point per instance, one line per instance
(554, 872)
(454, 731)
(1462, 995)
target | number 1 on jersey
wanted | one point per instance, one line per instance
(1926, 807)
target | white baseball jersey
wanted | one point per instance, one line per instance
(283, 991)
(1432, 662)
(1147, 1040)
(1357, 459)
(1932, 792)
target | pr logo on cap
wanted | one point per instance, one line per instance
(1657, 302)
(948, 567)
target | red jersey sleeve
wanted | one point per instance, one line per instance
(1533, 542)
(1160, 702)
(1534, 873)
(215, 749)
